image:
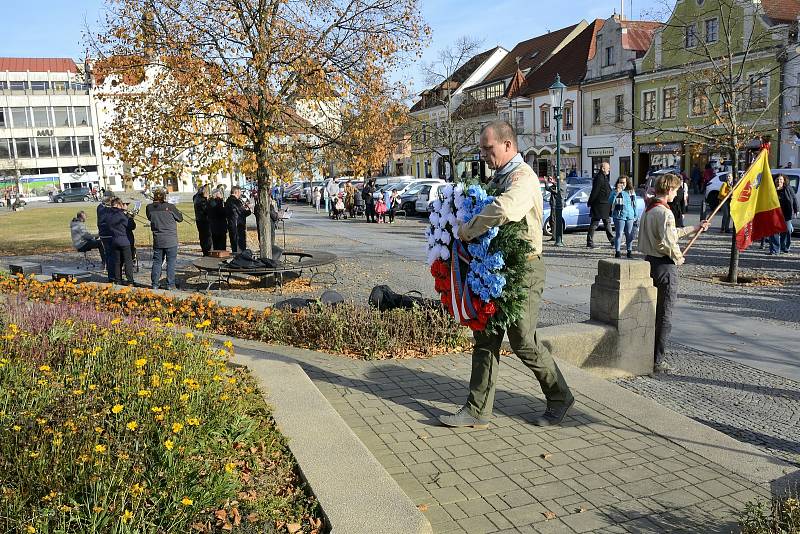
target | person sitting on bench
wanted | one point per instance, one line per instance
(82, 240)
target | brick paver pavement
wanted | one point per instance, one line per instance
(599, 472)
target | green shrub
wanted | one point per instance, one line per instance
(783, 516)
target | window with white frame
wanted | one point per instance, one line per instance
(65, 147)
(5, 149)
(596, 111)
(82, 116)
(698, 100)
(3, 121)
(85, 145)
(619, 108)
(23, 148)
(19, 118)
(544, 115)
(569, 118)
(608, 58)
(41, 117)
(63, 117)
(691, 36)
(758, 91)
(669, 103)
(712, 30)
(649, 105)
(44, 147)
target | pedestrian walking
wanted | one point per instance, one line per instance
(658, 241)
(724, 191)
(217, 221)
(598, 203)
(556, 203)
(518, 198)
(780, 243)
(164, 218)
(369, 200)
(316, 197)
(623, 211)
(236, 213)
(120, 225)
(201, 219)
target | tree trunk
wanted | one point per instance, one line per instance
(262, 206)
(733, 264)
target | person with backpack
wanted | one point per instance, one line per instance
(623, 211)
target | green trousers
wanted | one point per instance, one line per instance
(523, 340)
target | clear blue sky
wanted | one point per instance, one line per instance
(54, 28)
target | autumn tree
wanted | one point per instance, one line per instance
(448, 136)
(278, 82)
(719, 84)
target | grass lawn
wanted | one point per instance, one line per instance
(42, 230)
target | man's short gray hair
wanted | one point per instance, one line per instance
(503, 131)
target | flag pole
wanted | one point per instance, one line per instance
(727, 197)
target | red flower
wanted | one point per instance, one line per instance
(489, 308)
(442, 285)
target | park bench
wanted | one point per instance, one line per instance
(321, 265)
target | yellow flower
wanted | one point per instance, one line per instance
(127, 516)
(169, 444)
(57, 442)
(155, 381)
(156, 319)
(33, 454)
(189, 335)
(77, 392)
(44, 369)
(193, 421)
(231, 380)
(98, 429)
(141, 362)
(177, 427)
(78, 352)
(97, 509)
(168, 366)
(216, 378)
(41, 421)
(186, 501)
(117, 408)
(100, 448)
(133, 425)
(116, 320)
(92, 387)
(30, 529)
(229, 467)
(144, 393)
(224, 397)
(228, 344)
(64, 508)
(137, 489)
(132, 342)
(184, 397)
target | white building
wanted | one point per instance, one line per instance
(607, 94)
(47, 127)
(789, 148)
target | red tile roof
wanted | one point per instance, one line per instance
(532, 54)
(516, 86)
(37, 64)
(638, 34)
(569, 63)
(781, 10)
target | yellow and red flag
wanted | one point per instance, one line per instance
(755, 209)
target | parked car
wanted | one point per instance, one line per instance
(74, 194)
(408, 197)
(427, 194)
(576, 213)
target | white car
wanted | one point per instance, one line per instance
(427, 194)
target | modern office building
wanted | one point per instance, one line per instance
(47, 133)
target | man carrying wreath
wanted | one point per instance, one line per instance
(518, 197)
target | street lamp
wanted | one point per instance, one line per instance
(556, 99)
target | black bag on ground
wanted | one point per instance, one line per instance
(245, 260)
(328, 298)
(383, 298)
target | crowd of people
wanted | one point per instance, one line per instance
(377, 206)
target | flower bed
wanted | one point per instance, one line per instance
(347, 329)
(112, 424)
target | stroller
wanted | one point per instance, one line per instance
(359, 208)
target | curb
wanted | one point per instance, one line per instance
(354, 490)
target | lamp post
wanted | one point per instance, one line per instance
(556, 99)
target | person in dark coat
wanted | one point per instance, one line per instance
(201, 219)
(237, 212)
(104, 232)
(780, 243)
(218, 221)
(600, 209)
(120, 226)
(164, 218)
(678, 205)
(369, 200)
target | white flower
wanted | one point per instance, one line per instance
(451, 219)
(433, 255)
(437, 234)
(458, 201)
(431, 241)
(458, 190)
(437, 205)
(445, 238)
(460, 215)
(434, 218)
(448, 190)
(455, 230)
(444, 253)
